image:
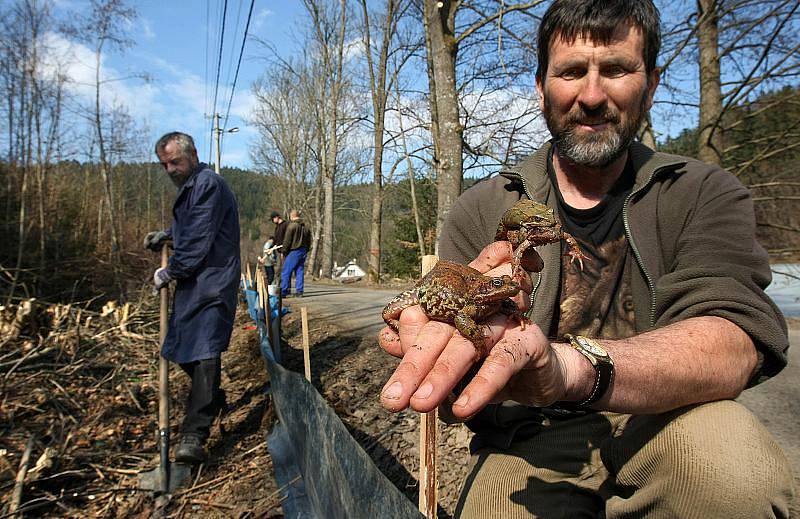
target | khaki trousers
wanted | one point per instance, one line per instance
(714, 460)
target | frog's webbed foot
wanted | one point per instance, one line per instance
(574, 251)
(391, 312)
(509, 307)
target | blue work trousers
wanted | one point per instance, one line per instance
(293, 263)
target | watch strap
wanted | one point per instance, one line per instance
(603, 367)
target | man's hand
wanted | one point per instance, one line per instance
(155, 240)
(161, 278)
(521, 364)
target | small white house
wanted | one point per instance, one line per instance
(348, 272)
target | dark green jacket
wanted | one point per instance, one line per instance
(691, 227)
(297, 236)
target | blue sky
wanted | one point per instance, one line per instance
(173, 43)
(176, 46)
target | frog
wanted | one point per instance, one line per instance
(459, 295)
(527, 224)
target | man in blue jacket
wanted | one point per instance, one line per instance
(206, 268)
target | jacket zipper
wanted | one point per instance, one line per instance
(650, 284)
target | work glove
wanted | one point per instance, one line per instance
(155, 239)
(161, 278)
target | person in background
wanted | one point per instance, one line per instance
(206, 269)
(295, 244)
(268, 259)
(280, 230)
(619, 400)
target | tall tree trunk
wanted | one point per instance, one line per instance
(440, 26)
(379, 96)
(316, 234)
(334, 70)
(710, 136)
(411, 182)
(329, 175)
(646, 134)
(104, 166)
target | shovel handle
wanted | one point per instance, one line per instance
(163, 381)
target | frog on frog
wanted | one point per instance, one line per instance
(459, 295)
(529, 224)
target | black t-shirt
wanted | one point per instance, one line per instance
(596, 301)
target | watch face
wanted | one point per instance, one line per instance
(592, 348)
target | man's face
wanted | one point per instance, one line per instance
(595, 97)
(176, 163)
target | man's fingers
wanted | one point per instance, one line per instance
(390, 342)
(412, 322)
(450, 367)
(492, 256)
(417, 361)
(509, 356)
(453, 364)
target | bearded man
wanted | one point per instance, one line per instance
(619, 401)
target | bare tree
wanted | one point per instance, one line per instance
(379, 88)
(329, 22)
(445, 39)
(33, 109)
(105, 29)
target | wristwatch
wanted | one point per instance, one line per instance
(603, 367)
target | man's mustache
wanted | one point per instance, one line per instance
(582, 117)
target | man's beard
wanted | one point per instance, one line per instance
(178, 179)
(597, 149)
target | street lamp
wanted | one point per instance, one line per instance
(217, 132)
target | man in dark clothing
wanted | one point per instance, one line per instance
(206, 268)
(280, 230)
(618, 401)
(296, 244)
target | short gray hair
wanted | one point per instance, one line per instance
(184, 142)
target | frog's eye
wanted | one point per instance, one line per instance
(497, 282)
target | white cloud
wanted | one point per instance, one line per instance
(260, 17)
(77, 63)
(145, 29)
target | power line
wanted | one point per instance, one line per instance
(232, 52)
(205, 72)
(219, 64)
(239, 63)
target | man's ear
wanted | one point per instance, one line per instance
(653, 80)
(540, 94)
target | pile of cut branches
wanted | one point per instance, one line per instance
(78, 412)
(78, 389)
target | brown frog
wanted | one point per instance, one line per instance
(458, 295)
(528, 224)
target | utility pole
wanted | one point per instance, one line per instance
(217, 135)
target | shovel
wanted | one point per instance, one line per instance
(168, 476)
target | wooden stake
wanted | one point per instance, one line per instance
(249, 277)
(268, 313)
(19, 483)
(306, 353)
(427, 442)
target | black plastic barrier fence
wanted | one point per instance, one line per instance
(322, 471)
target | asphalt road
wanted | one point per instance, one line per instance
(776, 402)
